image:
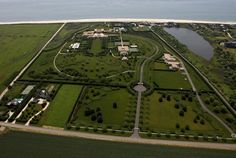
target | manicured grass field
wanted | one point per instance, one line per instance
(171, 79)
(160, 66)
(96, 46)
(145, 28)
(163, 116)
(61, 107)
(18, 44)
(114, 117)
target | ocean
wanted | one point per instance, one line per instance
(36, 10)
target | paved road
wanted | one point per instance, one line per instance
(29, 63)
(59, 132)
(199, 73)
(140, 88)
(204, 107)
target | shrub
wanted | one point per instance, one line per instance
(114, 105)
(88, 112)
(181, 113)
(99, 119)
(160, 100)
(177, 126)
(168, 98)
(190, 99)
(187, 127)
(94, 117)
(177, 106)
(202, 122)
(149, 134)
(185, 109)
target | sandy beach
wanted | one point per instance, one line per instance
(118, 20)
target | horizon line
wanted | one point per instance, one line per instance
(150, 20)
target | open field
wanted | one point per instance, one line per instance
(192, 120)
(19, 43)
(116, 108)
(96, 46)
(171, 80)
(61, 107)
(160, 66)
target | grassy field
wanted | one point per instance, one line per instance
(104, 98)
(14, 144)
(145, 28)
(171, 79)
(160, 66)
(61, 107)
(155, 115)
(18, 44)
(96, 46)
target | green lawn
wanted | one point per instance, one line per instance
(18, 44)
(171, 79)
(144, 28)
(160, 66)
(61, 107)
(114, 117)
(163, 116)
(96, 46)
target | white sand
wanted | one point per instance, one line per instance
(119, 20)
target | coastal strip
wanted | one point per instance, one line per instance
(119, 20)
(65, 133)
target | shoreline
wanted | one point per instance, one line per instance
(101, 137)
(117, 20)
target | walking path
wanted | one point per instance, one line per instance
(140, 88)
(45, 108)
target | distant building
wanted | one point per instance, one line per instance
(75, 46)
(15, 102)
(231, 44)
(27, 90)
(123, 50)
(171, 61)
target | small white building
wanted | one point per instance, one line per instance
(75, 46)
(124, 58)
(171, 61)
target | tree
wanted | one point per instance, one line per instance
(100, 119)
(168, 98)
(114, 105)
(181, 113)
(190, 99)
(185, 109)
(160, 100)
(202, 122)
(177, 106)
(177, 126)
(94, 117)
(187, 127)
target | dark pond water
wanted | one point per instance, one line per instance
(27, 145)
(196, 43)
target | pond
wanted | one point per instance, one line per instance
(196, 43)
(19, 144)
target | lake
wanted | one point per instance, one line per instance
(27, 10)
(19, 144)
(196, 43)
